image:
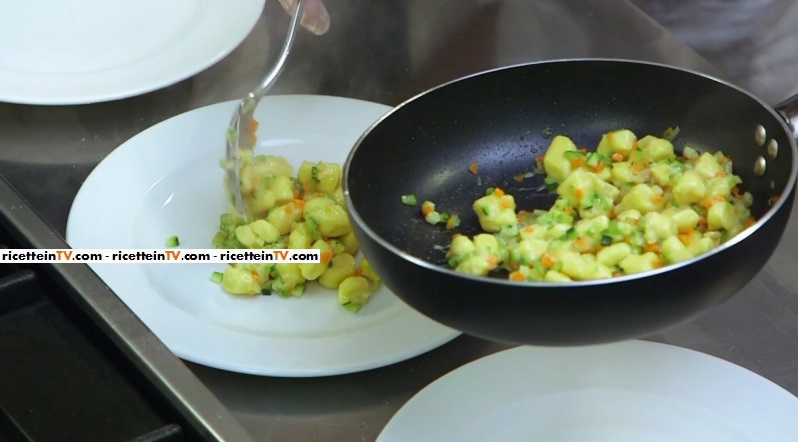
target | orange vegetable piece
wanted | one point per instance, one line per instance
(548, 260)
(652, 248)
(473, 167)
(252, 126)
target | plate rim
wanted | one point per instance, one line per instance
(237, 28)
(425, 397)
(439, 335)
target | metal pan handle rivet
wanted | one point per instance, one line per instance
(760, 166)
(773, 149)
(760, 135)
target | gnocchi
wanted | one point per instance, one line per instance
(630, 206)
(305, 211)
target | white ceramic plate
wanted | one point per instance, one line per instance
(167, 181)
(629, 392)
(84, 51)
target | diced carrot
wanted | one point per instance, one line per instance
(774, 199)
(325, 256)
(685, 238)
(578, 161)
(634, 144)
(657, 263)
(548, 260)
(426, 209)
(617, 157)
(578, 193)
(252, 126)
(599, 167)
(517, 276)
(609, 136)
(749, 221)
(473, 167)
(568, 210)
(255, 274)
(686, 231)
(493, 259)
(529, 229)
(306, 187)
(506, 203)
(656, 197)
(720, 173)
(519, 177)
(735, 191)
(498, 192)
(709, 202)
(652, 248)
(288, 208)
(299, 203)
(521, 216)
(358, 271)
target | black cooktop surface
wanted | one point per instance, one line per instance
(61, 379)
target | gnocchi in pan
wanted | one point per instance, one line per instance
(630, 206)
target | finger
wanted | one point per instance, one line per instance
(314, 15)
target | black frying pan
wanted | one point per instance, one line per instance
(503, 119)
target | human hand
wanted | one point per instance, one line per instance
(314, 15)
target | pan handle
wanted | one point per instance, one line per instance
(789, 110)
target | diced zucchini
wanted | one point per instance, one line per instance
(172, 241)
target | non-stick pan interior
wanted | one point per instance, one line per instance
(503, 119)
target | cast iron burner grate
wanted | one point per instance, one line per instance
(61, 379)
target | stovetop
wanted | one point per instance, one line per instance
(77, 365)
(62, 378)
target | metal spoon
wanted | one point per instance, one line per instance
(236, 140)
